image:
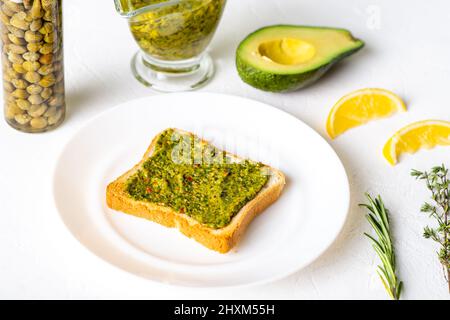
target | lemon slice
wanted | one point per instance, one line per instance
(360, 107)
(423, 134)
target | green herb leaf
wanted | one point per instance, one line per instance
(378, 218)
(438, 182)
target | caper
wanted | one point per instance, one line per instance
(49, 38)
(31, 36)
(46, 69)
(47, 28)
(59, 76)
(56, 101)
(38, 123)
(10, 75)
(16, 40)
(36, 25)
(46, 93)
(31, 56)
(46, 48)
(37, 110)
(29, 18)
(34, 89)
(27, 4)
(19, 94)
(31, 66)
(55, 118)
(12, 110)
(16, 31)
(6, 78)
(18, 68)
(35, 99)
(46, 58)
(18, 20)
(13, 6)
(5, 39)
(15, 58)
(19, 83)
(47, 4)
(22, 119)
(48, 15)
(8, 87)
(59, 87)
(14, 48)
(7, 10)
(58, 67)
(5, 61)
(47, 81)
(34, 46)
(23, 104)
(4, 18)
(10, 99)
(36, 10)
(32, 77)
(51, 112)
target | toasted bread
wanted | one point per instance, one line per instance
(222, 239)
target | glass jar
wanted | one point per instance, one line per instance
(173, 36)
(32, 59)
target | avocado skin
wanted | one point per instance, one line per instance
(278, 82)
(274, 82)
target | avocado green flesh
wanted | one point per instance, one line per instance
(196, 179)
(266, 58)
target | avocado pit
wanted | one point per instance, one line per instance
(287, 51)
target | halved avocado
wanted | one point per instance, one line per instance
(287, 57)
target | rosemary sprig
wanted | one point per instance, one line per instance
(378, 218)
(438, 183)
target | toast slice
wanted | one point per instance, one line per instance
(222, 239)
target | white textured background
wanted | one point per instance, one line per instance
(408, 50)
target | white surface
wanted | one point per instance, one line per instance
(146, 249)
(408, 45)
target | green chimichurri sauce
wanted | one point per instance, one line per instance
(178, 31)
(196, 179)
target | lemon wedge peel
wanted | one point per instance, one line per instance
(360, 107)
(425, 134)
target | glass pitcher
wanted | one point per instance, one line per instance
(173, 36)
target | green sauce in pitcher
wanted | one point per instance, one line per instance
(178, 31)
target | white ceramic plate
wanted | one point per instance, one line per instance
(289, 235)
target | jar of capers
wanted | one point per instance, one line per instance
(32, 58)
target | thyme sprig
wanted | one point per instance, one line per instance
(438, 183)
(378, 218)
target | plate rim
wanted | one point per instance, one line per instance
(282, 275)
